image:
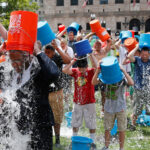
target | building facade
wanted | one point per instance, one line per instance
(114, 14)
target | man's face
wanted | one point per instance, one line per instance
(17, 60)
(63, 45)
(144, 56)
(71, 36)
(49, 53)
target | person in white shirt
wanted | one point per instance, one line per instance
(122, 55)
(67, 80)
(66, 48)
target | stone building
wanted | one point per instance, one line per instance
(114, 14)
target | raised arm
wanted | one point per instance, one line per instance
(93, 60)
(117, 44)
(108, 47)
(66, 59)
(95, 80)
(89, 35)
(128, 77)
(131, 54)
(48, 68)
(3, 32)
(67, 69)
(59, 35)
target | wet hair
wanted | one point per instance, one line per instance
(50, 47)
(82, 62)
(64, 41)
(145, 49)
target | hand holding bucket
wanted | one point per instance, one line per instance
(95, 25)
(82, 47)
(73, 27)
(100, 31)
(61, 28)
(130, 43)
(144, 40)
(45, 33)
(124, 35)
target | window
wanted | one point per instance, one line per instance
(90, 2)
(118, 25)
(88, 26)
(119, 1)
(74, 2)
(103, 1)
(60, 3)
(41, 1)
(137, 1)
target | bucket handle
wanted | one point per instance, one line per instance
(24, 32)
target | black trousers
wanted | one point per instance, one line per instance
(42, 138)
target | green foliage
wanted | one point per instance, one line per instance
(13, 5)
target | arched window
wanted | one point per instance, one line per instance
(147, 26)
(134, 25)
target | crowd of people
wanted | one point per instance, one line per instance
(54, 67)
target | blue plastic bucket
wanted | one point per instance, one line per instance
(110, 71)
(143, 119)
(45, 33)
(137, 36)
(114, 129)
(144, 40)
(124, 35)
(68, 116)
(83, 47)
(81, 143)
(73, 27)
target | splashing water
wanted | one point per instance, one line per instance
(10, 137)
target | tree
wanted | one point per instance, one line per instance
(7, 6)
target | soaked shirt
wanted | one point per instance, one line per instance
(141, 74)
(115, 97)
(57, 84)
(84, 90)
